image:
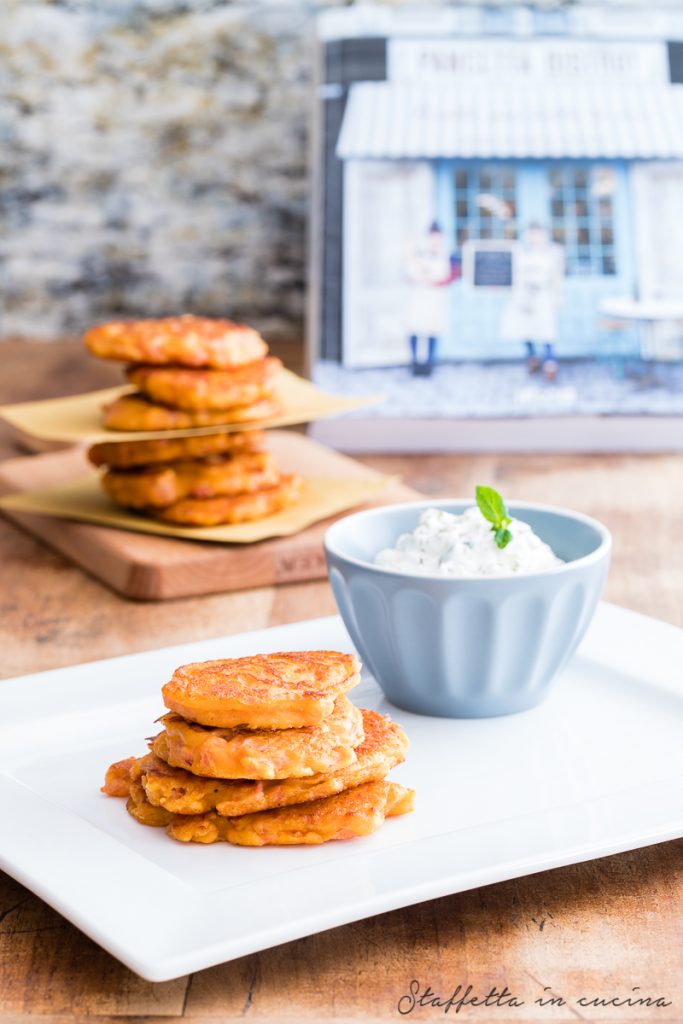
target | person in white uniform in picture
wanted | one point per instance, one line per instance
(532, 312)
(428, 271)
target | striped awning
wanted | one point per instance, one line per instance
(386, 120)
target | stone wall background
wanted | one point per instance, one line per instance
(153, 159)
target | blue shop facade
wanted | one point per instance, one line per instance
(563, 141)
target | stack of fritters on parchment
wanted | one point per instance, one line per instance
(197, 481)
(192, 372)
(266, 750)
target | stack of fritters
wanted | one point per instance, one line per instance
(197, 481)
(266, 750)
(192, 372)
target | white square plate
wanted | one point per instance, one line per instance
(596, 770)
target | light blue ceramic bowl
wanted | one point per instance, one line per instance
(473, 647)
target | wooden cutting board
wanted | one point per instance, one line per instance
(153, 568)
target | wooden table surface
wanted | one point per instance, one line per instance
(593, 930)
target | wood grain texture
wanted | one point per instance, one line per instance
(597, 929)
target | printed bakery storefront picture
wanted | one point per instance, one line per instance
(546, 146)
(491, 198)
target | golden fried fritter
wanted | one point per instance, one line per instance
(139, 807)
(123, 780)
(188, 340)
(128, 454)
(286, 690)
(239, 508)
(220, 753)
(160, 486)
(355, 812)
(135, 412)
(383, 747)
(117, 779)
(192, 389)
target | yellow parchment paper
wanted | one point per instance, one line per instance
(78, 418)
(85, 501)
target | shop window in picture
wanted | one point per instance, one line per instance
(420, 310)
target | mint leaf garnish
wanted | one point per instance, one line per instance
(503, 537)
(493, 509)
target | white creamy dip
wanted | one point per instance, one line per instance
(444, 544)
